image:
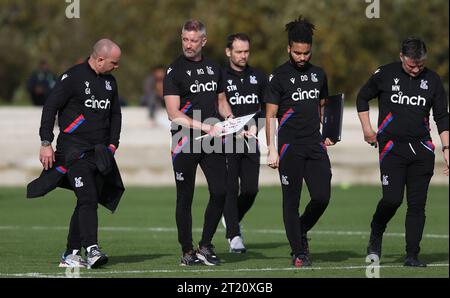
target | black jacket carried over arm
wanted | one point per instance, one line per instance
(109, 182)
(89, 119)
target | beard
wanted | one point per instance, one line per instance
(297, 64)
(192, 53)
(240, 64)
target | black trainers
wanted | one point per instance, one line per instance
(301, 261)
(207, 255)
(190, 259)
(305, 246)
(374, 247)
(413, 261)
(96, 258)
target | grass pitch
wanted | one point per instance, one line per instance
(141, 237)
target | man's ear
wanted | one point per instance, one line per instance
(100, 61)
(204, 40)
(289, 49)
(401, 56)
(228, 52)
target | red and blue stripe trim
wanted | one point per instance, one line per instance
(283, 150)
(74, 125)
(179, 147)
(186, 107)
(386, 150)
(285, 117)
(385, 122)
(430, 145)
(61, 169)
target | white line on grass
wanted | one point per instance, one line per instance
(261, 231)
(62, 274)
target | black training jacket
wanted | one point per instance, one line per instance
(87, 106)
(405, 103)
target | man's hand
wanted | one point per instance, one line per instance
(446, 171)
(370, 137)
(241, 134)
(272, 158)
(328, 142)
(251, 132)
(47, 156)
(212, 130)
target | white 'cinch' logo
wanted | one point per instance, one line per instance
(97, 104)
(202, 87)
(400, 98)
(302, 95)
(242, 99)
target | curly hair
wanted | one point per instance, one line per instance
(300, 30)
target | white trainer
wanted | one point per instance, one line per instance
(96, 258)
(72, 261)
(237, 245)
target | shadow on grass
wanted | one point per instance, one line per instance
(129, 259)
(424, 257)
(252, 252)
(336, 256)
(231, 258)
(268, 245)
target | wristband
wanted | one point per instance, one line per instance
(45, 143)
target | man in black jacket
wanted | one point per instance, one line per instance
(193, 88)
(89, 117)
(244, 90)
(296, 96)
(406, 92)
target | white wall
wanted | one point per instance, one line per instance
(144, 153)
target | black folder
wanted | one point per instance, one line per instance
(333, 117)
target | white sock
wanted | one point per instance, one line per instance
(90, 247)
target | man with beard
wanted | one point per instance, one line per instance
(192, 89)
(244, 90)
(295, 95)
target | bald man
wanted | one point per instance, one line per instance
(89, 118)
